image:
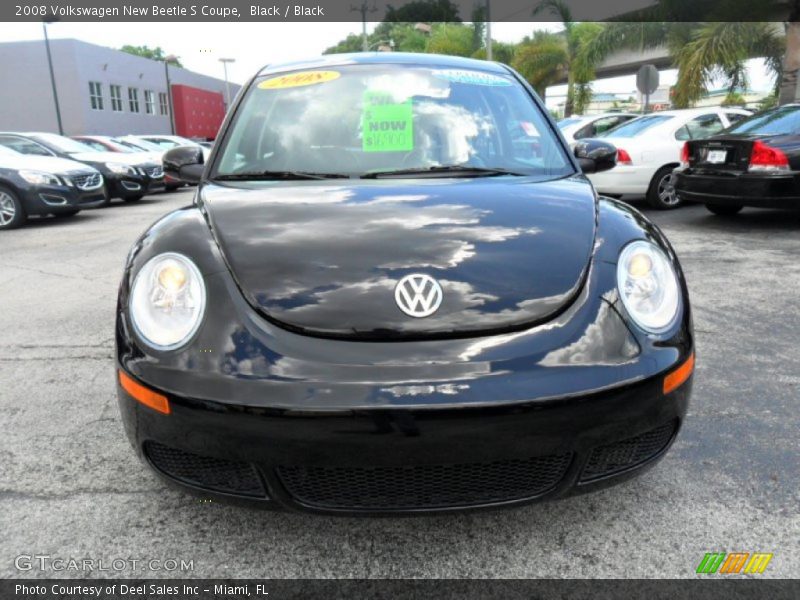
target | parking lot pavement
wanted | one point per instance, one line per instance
(71, 487)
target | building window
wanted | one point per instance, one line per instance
(149, 102)
(96, 95)
(163, 106)
(116, 98)
(133, 99)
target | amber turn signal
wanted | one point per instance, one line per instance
(144, 395)
(679, 376)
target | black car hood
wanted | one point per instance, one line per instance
(324, 258)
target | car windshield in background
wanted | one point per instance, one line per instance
(361, 120)
(65, 144)
(568, 121)
(636, 126)
(139, 145)
(779, 121)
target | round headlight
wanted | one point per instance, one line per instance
(167, 301)
(648, 286)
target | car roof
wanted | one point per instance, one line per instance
(681, 112)
(387, 58)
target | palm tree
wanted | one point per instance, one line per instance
(702, 51)
(548, 57)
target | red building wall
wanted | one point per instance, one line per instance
(198, 113)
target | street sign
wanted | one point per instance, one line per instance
(647, 79)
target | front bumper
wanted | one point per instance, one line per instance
(135, 185)
(405, 460)
(56, 199)
(779, 190)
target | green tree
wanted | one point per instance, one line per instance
(501, 52)
(450, 38)
(547, 58)
(156, 53)
(352, 43)
(733, 98)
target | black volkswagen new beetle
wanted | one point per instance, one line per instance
(397, 292)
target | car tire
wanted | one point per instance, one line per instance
(724, 210)
(12, 213)
(134, 198)
(661, 194)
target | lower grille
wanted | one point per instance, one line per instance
(423, 486)
(619, 456)
(217, 474)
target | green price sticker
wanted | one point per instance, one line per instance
(386, 126)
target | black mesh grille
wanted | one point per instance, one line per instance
(232, 477)
(423, 486)
(622, 455)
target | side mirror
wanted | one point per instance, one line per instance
(595, 156)
(185, 163)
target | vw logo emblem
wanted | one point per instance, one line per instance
(418, 295)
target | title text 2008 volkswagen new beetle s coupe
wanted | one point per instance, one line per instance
(397, 292)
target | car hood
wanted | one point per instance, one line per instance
(325, 258)
(43, 163)
(113, 157)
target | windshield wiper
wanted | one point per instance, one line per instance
(267, 175)
(463, 170)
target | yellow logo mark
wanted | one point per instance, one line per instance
(298, 79)
(758, 562)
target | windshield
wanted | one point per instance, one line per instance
(636, 126)
(357, 120)
(139, 145)
(780, 121)
(64, 144)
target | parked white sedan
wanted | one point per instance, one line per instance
(649, 148)
(577, 127)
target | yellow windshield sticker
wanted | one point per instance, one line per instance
(386, 126)
(298, 79)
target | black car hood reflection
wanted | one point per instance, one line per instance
(324, 258)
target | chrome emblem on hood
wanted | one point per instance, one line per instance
(418, 295)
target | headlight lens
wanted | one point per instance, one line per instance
(120, 169)
(167, 301)
(40, 178)
(648, 286)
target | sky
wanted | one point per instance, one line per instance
(253, 45)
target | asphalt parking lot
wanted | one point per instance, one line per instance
(71, 487)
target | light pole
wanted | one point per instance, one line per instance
(364, 9)
(225, 62)
(167, 59)
(52, 78)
